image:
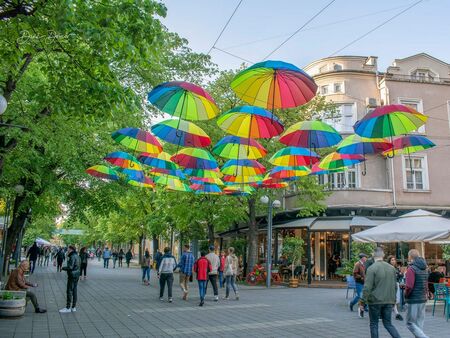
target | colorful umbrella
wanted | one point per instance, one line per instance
(355, 144)
(205, 188)
(311, 135)
(337, 161)
(172, 183)
(195, 158)
(250, 122)
(409, 144)
(102, 171)
(389, 121)
(238, 190)
(181, 133)
(294, 156)
(184, 99)
(203, 180)
(274, 85)
(316, 170)
(235, 147)
(243, 168)
(137, 140)
(288, 172)
(159, 172)
(146, 182)
(160, 161)
(123, 160)
(242, 179)
(270, 183)
(213, 173)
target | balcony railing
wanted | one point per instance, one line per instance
(416, 78)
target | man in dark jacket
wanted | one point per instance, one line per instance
(73, 274)
(416, 291)
(359, 273)
(32, 254)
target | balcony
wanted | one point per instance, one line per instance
(415, 78)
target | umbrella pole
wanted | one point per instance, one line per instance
(391, 158)
(273, 95)
(364, 172)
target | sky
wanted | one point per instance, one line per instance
(260, 26)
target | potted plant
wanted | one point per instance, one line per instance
(12, 303)
(293, 251)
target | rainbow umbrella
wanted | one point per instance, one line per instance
(235, 147)
(238, 190)
(243, 168)
(213, 173)
(146, 182)
(181, 133)
(409, 144)
(311, 135)
(102, 171)
(172, 183)
(294, 156)
(274, 85)
(316, 170)
(242, 179)
(160, 161)
(250, 122)
(137, 140)
(389, 121)
(288, 172)
(183, 99)
(270, 183)
(195, 158)
(355, 144)
(123, 160)
(205, 188)
(203, 180)
(160, 172)
(337, 161)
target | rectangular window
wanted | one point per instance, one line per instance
(348, 179)
(415, 104)
(415, 173)
(324, 90)
(338, 87)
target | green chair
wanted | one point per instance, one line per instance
(441, 295)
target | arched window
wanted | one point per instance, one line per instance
(337, 67)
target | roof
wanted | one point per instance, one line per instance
(360, 221)
(422, 55)
(331, 225)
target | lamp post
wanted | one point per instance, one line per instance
(271, 204)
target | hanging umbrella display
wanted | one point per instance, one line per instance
(238, 190)
(243, 168)
(242, 179)
(213, 173)
(160, 161)
(235, 147)
(355, 144)
(205, 188)
(160, 172)
(270, 183)
(316, 170)
(250, 122)
(290, 172)
(409, 144)
(137, 140)
(311, 135)
(181, 133)
(183, 99)
(203, 180)
(146, 182)
(172, 183)
(123, 160)
(194, 158)
(388, 121)
(102, 171)
(294, 156)
(274, 85)
(336, 161)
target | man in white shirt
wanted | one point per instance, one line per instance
(212, 276)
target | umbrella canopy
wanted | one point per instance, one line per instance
(389, 121)
(337, 161)
(310, 134)
(195, 158)
(243, 168)
(205, 188)
(250, 122)
(294, 156)
(160, 172)
(316, 170)
(160, 161)
(409, 144)
(203, 180)
(213, 173)
(288, 172)
(182, 133)
(41, 241)
(274, 85)
(238, 190)
(123, 160)
(235, 147)
(172, 183)
(355, 144)
(146, 182)
(102, 171)
(137, 140)
(242, 179)
(416, 226)
(133, 174)
(271, 183)
(183, 99)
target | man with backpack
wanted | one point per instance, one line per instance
(73, 274)
(166, 268)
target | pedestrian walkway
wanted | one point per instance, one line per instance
(114, 303)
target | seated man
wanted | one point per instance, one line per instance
(17, 282)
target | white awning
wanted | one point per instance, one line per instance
(331, 225)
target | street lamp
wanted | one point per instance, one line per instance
(3, 104)
(271, 204)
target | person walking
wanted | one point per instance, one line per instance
(40, 259)
(73, 274)
(399, 276)
(128, 257)
(214, 272)
(32, 254)
(121, 256)
(166, 268)
(115, 257)
(185, 265)
(146, 264)
(60, 257)
(231, 270)
(47, 253)
(416, 291)
(379, 292)
(201, 267)
(158, 257)
(17, 282)
(84, 261)
(106, 257)
(99, 254)
(359, 273)
(222, 259)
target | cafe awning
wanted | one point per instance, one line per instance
(323, 224)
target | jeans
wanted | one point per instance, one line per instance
(385, 312)
(230, 281)
(83, 268)
(415, 318)
(106, 263)
(202, 289)
(72, 284)
(213, 280)
(46, 259)
(146, 271)
(59, 265)
(221, 279)
(128, 263)
(32, 297)
(32, 265)
(358, 289)
(120, 262)
(163, 279)
(184, 282)
(114, 262)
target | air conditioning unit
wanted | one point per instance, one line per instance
(371, 102)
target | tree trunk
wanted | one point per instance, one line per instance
(211, 233)
(155, 245)
(252, 235)
(141, 238)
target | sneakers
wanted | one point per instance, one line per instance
(65, 310)
(350, 306)
(185, 296)
(360, 313)
(170, 300)
(39, 310)
(225, 298)
(237, 296)
(216, 298)
(161, 299)
(74, 309)
(201, 303)
(399, 317)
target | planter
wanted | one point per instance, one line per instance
(12, 303)
(293, 282)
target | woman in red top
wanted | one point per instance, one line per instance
(201, 267)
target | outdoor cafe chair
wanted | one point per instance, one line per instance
(351, 285)
(441, 294)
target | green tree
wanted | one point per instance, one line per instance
(293, 250)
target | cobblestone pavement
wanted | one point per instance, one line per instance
(113, 303)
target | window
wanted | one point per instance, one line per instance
(348, 179)
(423, 75)
(415, 173)
(324, 90)
(323, 69)
(337, 67)
(345, 118)
(415, 104)
(338, 88)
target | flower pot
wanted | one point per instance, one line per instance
(293, 282)
(12, 303)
